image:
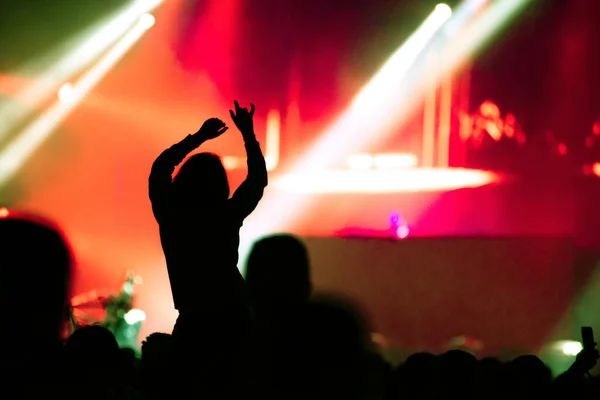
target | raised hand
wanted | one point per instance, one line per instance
(586, 360)
(212, 128)
(242, 118)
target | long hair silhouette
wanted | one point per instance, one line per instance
(201, 179)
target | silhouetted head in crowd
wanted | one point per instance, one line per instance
(417, 377)
(491, 378)
(157, 365)
(528, 374)
(35, 269)
(202, 179)
(457, 371)
(336, 348)
(421, 366)
(92, 351)
(157, 349)
(278, 271)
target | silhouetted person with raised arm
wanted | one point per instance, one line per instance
(199, 230)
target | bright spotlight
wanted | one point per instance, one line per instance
(571, 348)
(402, 232)
(444, 10)
(147, 21)
(134, 316)
(66, 93)
(150, 4)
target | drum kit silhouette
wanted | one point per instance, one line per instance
(112, 310)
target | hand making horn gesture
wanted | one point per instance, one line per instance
(243, 119)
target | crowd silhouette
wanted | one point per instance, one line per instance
(268, 335)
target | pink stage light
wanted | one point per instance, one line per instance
(402, 232)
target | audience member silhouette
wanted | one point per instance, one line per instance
(336, 352)
(93, 358)
(278, 273)
(279, 284)
(157, 366)
(199, 224)
(35, 272)
(199, 229)
(576, 382)
(417, 378)
(528, 377)
(491, 379)
(457, 371)
(314, 347)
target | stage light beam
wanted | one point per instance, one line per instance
(444, 11)
(375, 106)
(371, 111)
(384, 181)
(272, 139)
(25, 144)
(272, 217)
(77, 54)
(66, 93)
(147, 21)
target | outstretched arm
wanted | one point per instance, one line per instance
(159, 182)
(246, 197)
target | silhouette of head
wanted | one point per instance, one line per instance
(336, 324)
(278, 270)
(491, 376)
(417, 377)
(157, 349)
(35, 268)
(93, 348)
(202, 179)
(457, 369)
(335, 347)
(421, 365)
(529, 373)
(158, 367)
